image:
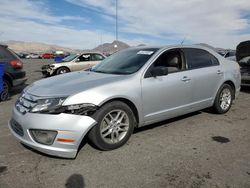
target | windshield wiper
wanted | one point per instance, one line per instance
(98, 71)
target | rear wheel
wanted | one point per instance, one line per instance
(224, 99)
(115, 125)
(4, 95)
(62, 70)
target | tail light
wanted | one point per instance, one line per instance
(16, 64)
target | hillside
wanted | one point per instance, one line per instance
(110, 48)
(36, 47)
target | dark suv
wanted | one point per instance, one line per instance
(243, 58)
(14, 75)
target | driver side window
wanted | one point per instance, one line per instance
(172, 59)
(84, 57)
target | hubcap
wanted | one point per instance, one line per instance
(225, 99)
(5, 92)
(114, 126)
(63, 71)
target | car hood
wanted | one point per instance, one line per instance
(71, 83)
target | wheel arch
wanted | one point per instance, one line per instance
(231, 83)
(62, 67)
(8, 78)
(129, 103)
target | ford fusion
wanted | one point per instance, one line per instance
(132, 88)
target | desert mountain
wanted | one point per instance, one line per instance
(36, 47)
(110, 48)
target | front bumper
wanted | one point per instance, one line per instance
(20, 81)
(47, 70)
(68, 126)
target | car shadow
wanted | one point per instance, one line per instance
(165, 122)
(18, 89)
(44, 154)
(245, 89)
(75, 181)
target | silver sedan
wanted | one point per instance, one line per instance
(132, 88)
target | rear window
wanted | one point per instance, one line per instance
(6, 53)
(198, 58)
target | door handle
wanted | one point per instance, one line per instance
(185, 79)
(219, 72)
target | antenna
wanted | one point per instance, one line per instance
(183, 40)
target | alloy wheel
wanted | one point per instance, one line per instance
(114, 126)
(225, 99)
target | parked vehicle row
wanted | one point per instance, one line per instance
(131, 88)
(42, 56)
(243, 57)
(13, 75)
(72, 63)
(228, 54)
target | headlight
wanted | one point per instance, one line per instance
(86, 109)
(50, 105)
(54, 106)
(46, 137)
(51, 66)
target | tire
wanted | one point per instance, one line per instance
(224, 99)
(4, 95)
(62, 70)
(108, 135)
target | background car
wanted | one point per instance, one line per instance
(47, 56)
(32, 56)
(228, 54)
(73, 63)
(14, 75)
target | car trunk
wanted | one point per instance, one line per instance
(243, 50)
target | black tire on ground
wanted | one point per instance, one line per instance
(62, 70)
(224, 99)
(4, 95)
(121, 128)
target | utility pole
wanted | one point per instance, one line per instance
(116, 19)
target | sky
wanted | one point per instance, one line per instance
(84, 24)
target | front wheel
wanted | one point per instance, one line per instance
(224, 99)
(4, 95)
(62, 70)
(115, 125)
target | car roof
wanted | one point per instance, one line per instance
(174, 46)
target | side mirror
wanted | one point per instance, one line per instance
(159, 71)
(77, 60)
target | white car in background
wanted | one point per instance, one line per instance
(74, 62)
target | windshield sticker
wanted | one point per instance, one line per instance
(142, 52)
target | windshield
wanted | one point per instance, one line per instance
(69, 58)
(125, 62)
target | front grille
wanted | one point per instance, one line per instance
(16, 127)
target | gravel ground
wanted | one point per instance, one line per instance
(197, 150)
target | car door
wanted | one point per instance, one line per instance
(207, 76)
(82, 62)
(166, 96)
